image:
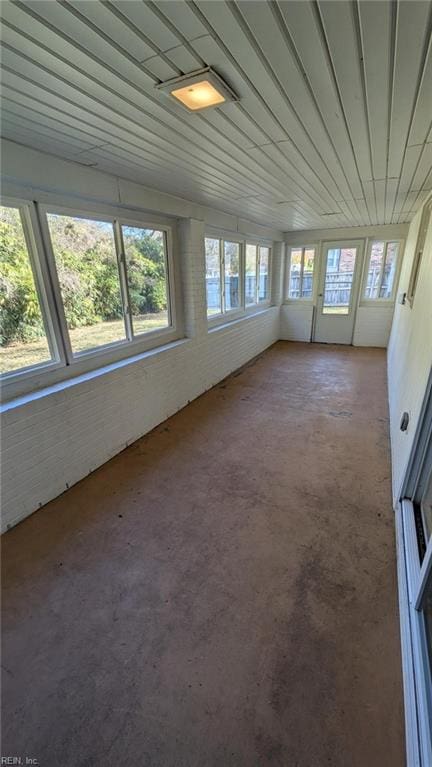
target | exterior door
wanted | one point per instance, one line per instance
(338, 292)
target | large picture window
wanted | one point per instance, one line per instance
(382, 265)
(301, 272)
(73, 285)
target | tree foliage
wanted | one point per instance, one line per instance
(87, 271)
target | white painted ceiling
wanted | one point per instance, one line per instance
(333, 126)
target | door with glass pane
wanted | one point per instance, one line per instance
(338, 292)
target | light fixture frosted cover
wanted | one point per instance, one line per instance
(199, 95)
(198, 90)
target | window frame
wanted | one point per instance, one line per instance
(68, 365)
(236, 309)
(41, 276)
(384, 302)
(244, 309)
(301, 300)
(425, 222)
(257, 266)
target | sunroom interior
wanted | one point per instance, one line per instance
(215, 360)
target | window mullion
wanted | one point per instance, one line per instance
(124, 288)
(59, 323)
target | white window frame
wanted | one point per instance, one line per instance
(243, 310)
(384, 302)
(425, 221)
(41, 276)
(300, 300)
(67, 365)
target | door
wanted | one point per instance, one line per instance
(338, 292)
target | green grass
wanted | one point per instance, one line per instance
(22, 354)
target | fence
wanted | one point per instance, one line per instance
(232, 290)
(337, 286)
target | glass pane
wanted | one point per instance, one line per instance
(338, 281)
(372, 289)
(87, 270)
(307, 282)
(389, 270)
(294, 289)
(23, 340)
(232, 272)
(213, 276)
(250, 274)
(146, 277)
(264, 287)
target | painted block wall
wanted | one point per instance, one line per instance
(409, 357)
(57, 438)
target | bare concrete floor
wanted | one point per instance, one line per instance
(223, 592)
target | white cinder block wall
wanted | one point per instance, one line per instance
(52, 440)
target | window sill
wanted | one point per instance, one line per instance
(76, 380)
(227, 322)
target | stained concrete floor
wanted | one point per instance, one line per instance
(223, 592)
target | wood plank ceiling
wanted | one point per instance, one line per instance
(333, 126)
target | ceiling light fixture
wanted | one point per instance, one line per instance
(198, 90)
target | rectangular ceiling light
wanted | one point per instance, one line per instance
(198, 90)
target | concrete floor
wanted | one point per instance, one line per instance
(223, 592)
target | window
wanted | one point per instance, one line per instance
(232, 275)
(24, 332)
(72, 285)
(301, 272)
(338, 283)
(246, 275)
(88, 275)
(382, 266)
(251, 270)
(333, 258)
(213, 276)
(224, 271)
(257, 274)
(421, 239)
(146, 269)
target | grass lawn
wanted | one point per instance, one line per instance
(19, 355)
